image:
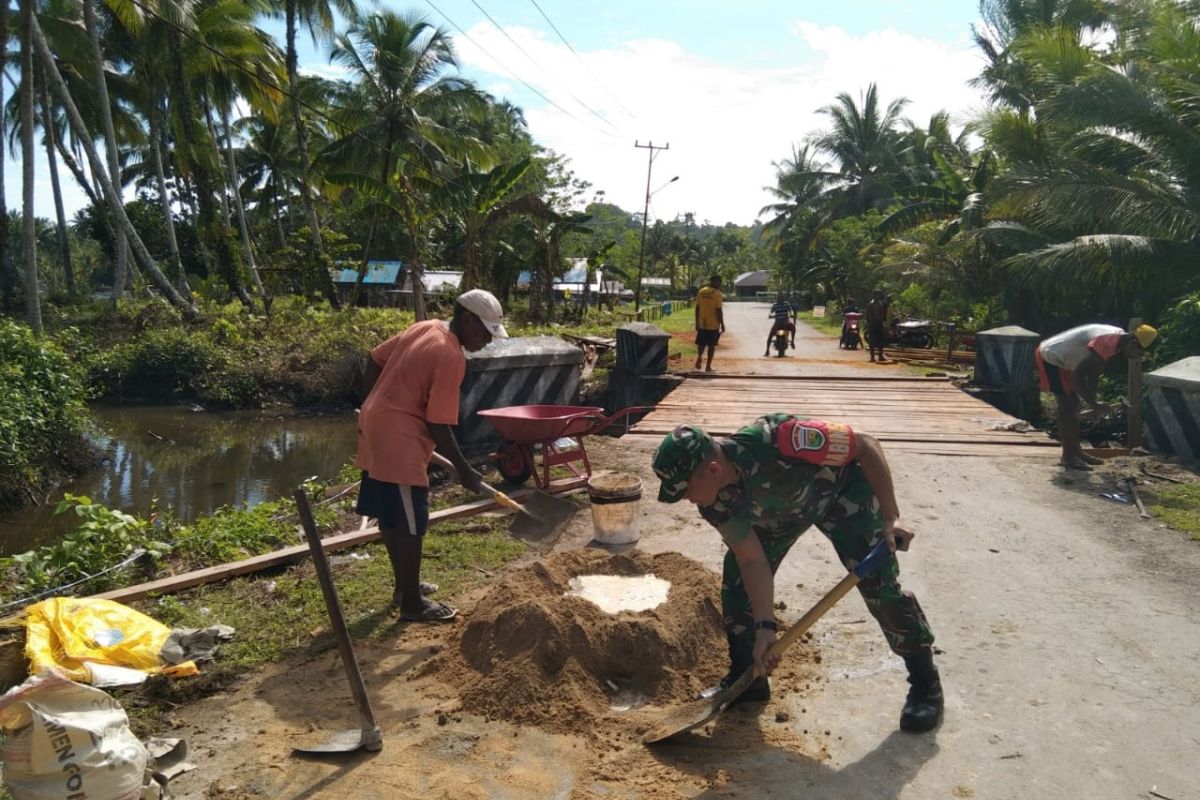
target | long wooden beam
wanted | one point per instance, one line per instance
(342, 541)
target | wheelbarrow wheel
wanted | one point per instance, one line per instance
(513, 465)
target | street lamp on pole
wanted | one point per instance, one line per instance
(637, 292)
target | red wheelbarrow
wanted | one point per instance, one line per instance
(554, 431)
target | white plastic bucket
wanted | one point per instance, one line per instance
(615, 500)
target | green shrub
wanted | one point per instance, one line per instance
(1180, 331)
(42, 414)
(104, 538)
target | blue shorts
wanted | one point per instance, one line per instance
(396, 507)
(707, 338)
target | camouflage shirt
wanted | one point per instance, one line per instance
(790, 468)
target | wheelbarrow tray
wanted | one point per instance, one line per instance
(542, 423)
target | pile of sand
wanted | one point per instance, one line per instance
(533, 655)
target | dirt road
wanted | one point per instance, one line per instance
(1068, 631)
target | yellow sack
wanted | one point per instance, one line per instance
(68, 632)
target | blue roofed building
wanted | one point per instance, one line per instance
(387, 283)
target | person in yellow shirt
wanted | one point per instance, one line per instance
(710, 320)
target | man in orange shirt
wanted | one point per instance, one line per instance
(710, 320)
(412, 382)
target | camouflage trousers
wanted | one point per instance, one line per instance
(853, 524)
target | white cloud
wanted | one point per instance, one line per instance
(725, 124)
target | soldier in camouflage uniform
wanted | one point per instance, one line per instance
(763, 487)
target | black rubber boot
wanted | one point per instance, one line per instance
(923, 708)
(741, 660)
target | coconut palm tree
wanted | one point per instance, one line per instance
(33, 301)
(61, 92)
(1120, 199)
(317, 17)
(396, 105)
(8, 270)
(866, 144)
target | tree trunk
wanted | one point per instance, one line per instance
(231, 167)
(76, 171)
(8, 270)
(110, 144)
(64, 243)
(191, 136)
(310, 209)
(59, 86)
(415, 270)
(160, 177)
(33, 301)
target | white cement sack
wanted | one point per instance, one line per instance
(67, 741)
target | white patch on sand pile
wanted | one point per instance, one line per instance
(613, 594)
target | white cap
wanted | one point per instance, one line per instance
(484, 305)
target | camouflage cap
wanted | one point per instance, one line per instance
(676, 459)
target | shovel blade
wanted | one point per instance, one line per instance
(346, 742)
(698, 712)
(546, 518)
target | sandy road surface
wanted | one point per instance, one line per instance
(1069, 633)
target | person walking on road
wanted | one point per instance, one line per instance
(1069, 366)
(761, 488)
(710, 320)
(412, 385)
(783, 314)
(876, 317)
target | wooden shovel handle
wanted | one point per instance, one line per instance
(875, 559)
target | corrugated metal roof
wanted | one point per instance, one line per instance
(379, 273)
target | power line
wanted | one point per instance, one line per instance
(533, 61)
(595, 77)
(511, 72)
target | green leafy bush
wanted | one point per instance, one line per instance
(1180, 331)
(42, 415)
(105, 537)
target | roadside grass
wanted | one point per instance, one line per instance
(830, 324)
(1179, 507)
(281, 615)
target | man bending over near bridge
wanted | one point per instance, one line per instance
(761, 488)
(1069, 365)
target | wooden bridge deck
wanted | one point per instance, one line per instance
(927, 415)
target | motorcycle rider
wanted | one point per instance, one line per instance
(783, 313)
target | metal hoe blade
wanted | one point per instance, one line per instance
(544, 521)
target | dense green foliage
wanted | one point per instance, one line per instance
(42, 415)
(1080, 202)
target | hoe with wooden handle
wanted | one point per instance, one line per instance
(368, 735)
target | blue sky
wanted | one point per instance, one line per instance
(731, 85)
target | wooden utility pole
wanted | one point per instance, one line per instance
(653, 148)
(1133, 436)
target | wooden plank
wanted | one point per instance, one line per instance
(342, 541)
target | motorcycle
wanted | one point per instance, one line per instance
(781, 342)
(911, 333)
(851, 338)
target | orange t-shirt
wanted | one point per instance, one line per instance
(423, 368)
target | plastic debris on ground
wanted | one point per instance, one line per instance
(107, 644)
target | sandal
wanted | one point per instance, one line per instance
(432, 612)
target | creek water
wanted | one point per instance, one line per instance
(192, 463)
